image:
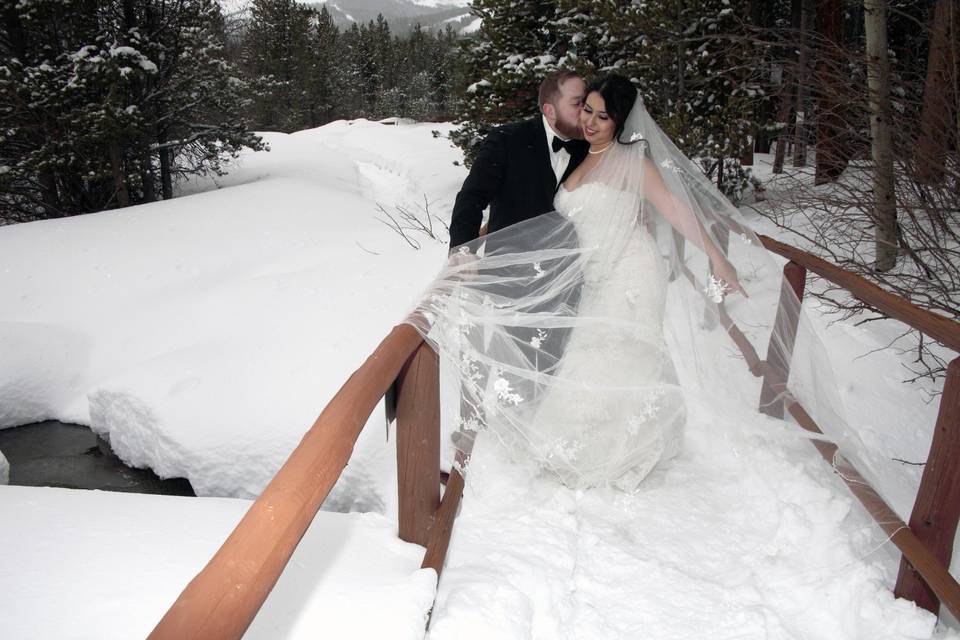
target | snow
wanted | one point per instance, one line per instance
(441, 3)
(203, 335)
(457, 18)
(473, 27)
(747, 534)
(114, 562)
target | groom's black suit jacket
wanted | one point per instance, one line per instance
(511, 173)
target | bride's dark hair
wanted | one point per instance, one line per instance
(618, 94)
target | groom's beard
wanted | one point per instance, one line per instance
(568, 129)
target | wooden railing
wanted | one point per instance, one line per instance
(927, 544)
(223, 599)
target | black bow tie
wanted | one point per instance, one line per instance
(558, 144)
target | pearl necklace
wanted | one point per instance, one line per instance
(594, 153)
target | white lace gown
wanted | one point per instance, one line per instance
(619, 410)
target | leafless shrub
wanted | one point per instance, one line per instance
(832, 213)
(409, 223)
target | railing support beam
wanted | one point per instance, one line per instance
(418, 444)
(937, 507)
(443, 527)
(780, 349)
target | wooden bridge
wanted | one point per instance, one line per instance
(223, 599)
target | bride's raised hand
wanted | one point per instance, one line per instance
(726, 272)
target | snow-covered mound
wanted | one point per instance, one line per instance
(203, 335)
(93, 564)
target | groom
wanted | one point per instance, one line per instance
(521, 165)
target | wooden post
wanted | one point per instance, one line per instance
(442, 531)
(418, 444)
(780, 349)
(937, 508)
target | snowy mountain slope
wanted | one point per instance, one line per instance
(402, 15)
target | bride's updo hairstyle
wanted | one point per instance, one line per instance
(619, 94)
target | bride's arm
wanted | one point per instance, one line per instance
(681, 218)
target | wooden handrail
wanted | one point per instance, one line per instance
(930, 567)
(927, 544)
(222, 600)
(943, 330)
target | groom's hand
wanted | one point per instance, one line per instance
(461, 264)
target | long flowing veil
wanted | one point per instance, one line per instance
(576, 350)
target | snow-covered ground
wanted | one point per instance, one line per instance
(104, 565)
(203, 335)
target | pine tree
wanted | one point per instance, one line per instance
(516, 46)
(103, 104)
(325, 71)
(442, 66)
(277, 53)
(196, 101)
(692, 60)
(351, 89)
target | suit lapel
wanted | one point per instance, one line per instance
(538, 142)
(575, 159)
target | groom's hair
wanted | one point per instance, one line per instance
(550, 87)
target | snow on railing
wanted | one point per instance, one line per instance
(223, 599)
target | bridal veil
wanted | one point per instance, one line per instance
(508, 312)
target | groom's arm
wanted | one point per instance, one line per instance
(479, 189)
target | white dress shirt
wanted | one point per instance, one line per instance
(558, 159)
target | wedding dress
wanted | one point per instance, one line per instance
(619, 410)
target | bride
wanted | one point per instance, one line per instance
(554, 327)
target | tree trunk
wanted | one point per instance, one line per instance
(147, 176)
(788, 89)
(878, 82)
(936, 120)
(48, 190)
(833, 148)
(783, 115)
(803, 78)
(761, 15)
(16, 35)
(119, 183)
(166, 178)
